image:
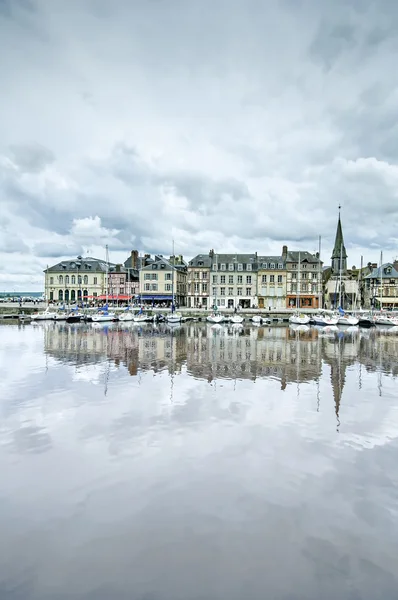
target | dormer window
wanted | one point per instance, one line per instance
(249, 267)
(162, 266)
(215, 267)
(222, 267)
(272, 266)
(154, 266)
(240, 267)
(280, 266)
(231, 266)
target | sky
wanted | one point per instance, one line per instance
(238, 125)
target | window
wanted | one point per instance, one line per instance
(304, 287)
(314, 288)
(51, 295)
(272, 266)
(154, 286)
(279, 278)
(122, 290)
(222, 278)
(95, 281)
(200, 264)
(294, 275)
(79, 279)
(222, 302)
(121, 280)
(280, 266)
(85, 279)
(231, 266)
(231, 279)
(204, 288)
(214, 291)
(147, 286)
(61, 279)
(215, 267)
(51, 280)
(196, 288)
(167, 276)
(272, 278)
(154, 276)
(294, 287)
(249, 267)
(294, 266)
(222, 267)
(168, 287)
(240, 291)
(304, 275)
(248, 291)
(240, 279)
(222, 291)
(240, 267)
(147, 276)
(248, 278)
(154, 266)
(230, 291)
(214, 278)
(196, 275)
(314, 276)
(73, 279)
(304, 265)
(204, 275)
(66, 279)
(264, 279)
(95, 294)
(314, 266)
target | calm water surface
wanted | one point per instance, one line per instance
(197, 463)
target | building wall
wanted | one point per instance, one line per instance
(229, 289)
(198, 291)
(307, 288)
(63, 286)
(159, 282)
(271, 288)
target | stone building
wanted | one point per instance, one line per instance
(71, 281)
(303, 279)
(233, 280)
(271, 282)
(199, 281)
(381, 287)
(160, 278)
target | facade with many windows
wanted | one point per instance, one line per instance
(162, 277)
(271, 285)
(233, 280)
(75, 280)
(303, 279)
(381, 287)
(199, 281)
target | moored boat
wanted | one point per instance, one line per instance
(299, 319)
(237, 319)
(45, 315)
(215, 318)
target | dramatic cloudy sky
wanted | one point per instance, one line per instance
(226, 124)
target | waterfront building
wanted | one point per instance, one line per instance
(71, 281)
(199, 281)
(303, 279)
(160, 276)
(342, 284)
(271, 282)
(233, 280)
(381, 287)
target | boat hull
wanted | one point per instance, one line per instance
(299, 320)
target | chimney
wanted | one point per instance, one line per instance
(211, 253)
(284, 253)
(134, 259)
(118, 268)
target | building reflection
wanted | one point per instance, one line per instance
(228, 352)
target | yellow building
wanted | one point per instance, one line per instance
(271, 282)
(163, 277)
(70, 280)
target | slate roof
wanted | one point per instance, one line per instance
(304, 256)
(168, 266)
(265, 262)
(381, 271)
(200, 258)
(339, 242)
(87, 264)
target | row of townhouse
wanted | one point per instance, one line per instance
(293, 279)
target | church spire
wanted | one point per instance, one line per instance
(339, 254)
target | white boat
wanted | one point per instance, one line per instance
(257, 320)
(299, 319)
(142, 318)
(174, 317)
(45, 315)
(347, 320)
(215, 318)
(386, 321)
(127, 315)
(103, 315)
(60, 316)
(237, 319)
(325, 320)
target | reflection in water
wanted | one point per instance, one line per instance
(197, 462)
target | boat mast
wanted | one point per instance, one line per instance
(319, 275)
(106, 271)
(381, 280)
(298, 282)
(172, 281)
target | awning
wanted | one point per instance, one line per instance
(387, 300)
(154, 297)
(110, 297)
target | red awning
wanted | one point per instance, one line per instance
(110, 297)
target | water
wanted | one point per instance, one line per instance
(197, 463)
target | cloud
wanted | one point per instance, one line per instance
(140, 129)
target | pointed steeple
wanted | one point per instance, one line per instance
(339, 254)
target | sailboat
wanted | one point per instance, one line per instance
(127, 315)
(103, 313)
(174, 317)
(297, 318)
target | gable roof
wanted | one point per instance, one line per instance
(200, 258)
(381, 271)
(293, 256)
